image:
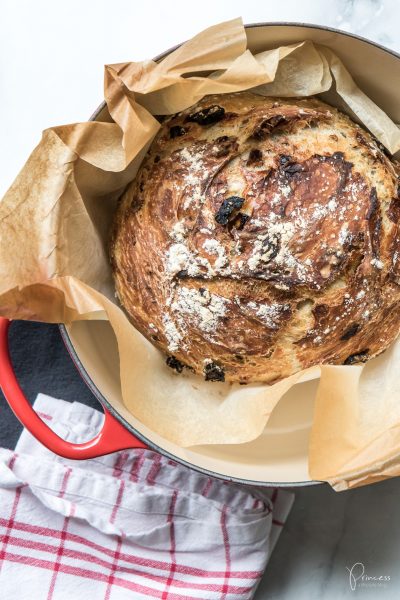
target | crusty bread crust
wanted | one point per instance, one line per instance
(260, 237)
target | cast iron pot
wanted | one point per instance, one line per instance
(279, 457)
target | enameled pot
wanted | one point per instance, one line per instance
(279, 457)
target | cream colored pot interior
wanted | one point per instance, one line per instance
(280, 454)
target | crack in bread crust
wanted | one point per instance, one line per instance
(261, 236)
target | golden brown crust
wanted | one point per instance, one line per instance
(260, 237)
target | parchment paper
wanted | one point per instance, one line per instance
(54, 227)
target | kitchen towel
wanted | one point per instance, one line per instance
(129, 525)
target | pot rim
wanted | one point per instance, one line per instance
(152, 445)
(81, 369)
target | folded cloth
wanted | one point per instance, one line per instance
(130, 525)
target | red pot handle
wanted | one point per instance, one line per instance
(112, 437)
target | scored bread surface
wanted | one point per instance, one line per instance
(260, 237)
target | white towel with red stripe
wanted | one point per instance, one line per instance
(130, 525)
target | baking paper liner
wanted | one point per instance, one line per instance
(54, 228)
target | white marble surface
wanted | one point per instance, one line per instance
(51, 59)
(326, 534)
(52, 52)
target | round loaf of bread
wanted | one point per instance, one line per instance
(261, 237)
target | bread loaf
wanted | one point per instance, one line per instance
(260, 237)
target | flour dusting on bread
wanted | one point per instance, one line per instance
(261, 237)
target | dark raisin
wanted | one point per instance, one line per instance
(350, 332)
(157, 159)
(213, 372)
(284, 159)
(255, 157)
(271, 246)
(338, 156)
(207, 116)
(361, 356)
(202, 291)
(266, 126)
(175, 364)
(228, 206)
(292, 168)
(176, 131)
(182, 274)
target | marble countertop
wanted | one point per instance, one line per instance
(51, 64)
(52, 53)
(326, 535)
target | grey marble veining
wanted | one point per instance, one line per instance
(328, 532)
(374, 19)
